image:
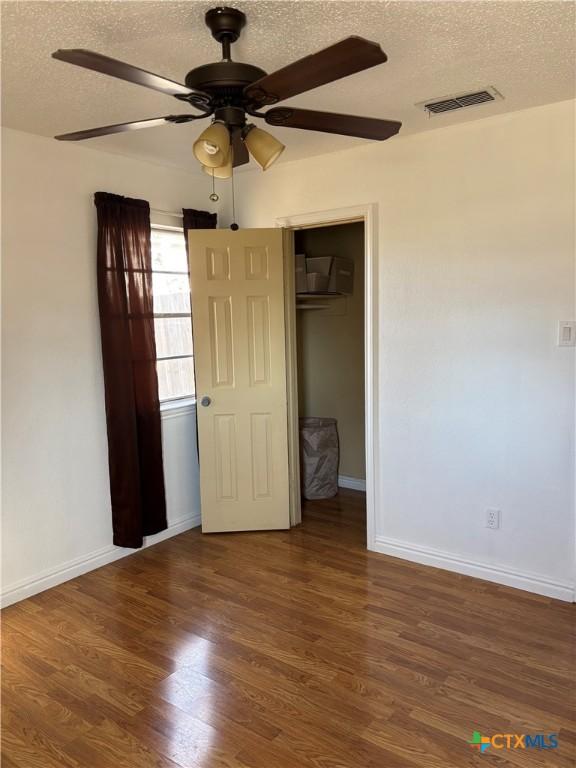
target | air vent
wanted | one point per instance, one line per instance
(450, 103)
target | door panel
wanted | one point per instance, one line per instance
(225, 451)
(256, 263)
(220, 309)
(218, 263)
(260, 438)
(259, 340)
(237, 283)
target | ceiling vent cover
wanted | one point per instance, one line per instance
(453, 102)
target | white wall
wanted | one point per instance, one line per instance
(56, 504)
(476, 268)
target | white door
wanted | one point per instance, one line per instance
(237, 284)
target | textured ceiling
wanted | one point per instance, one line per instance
(525, 49)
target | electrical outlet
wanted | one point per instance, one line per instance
(493, 518)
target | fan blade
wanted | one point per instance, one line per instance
(115, 68)
(241, 156)
(105, 130)
(332, 122)
(340, 60)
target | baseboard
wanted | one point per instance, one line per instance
(73, 568)
(509, 578)
(354, 483)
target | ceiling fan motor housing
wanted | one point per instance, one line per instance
(224, 80)
(221, 75)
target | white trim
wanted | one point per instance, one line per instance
(427, 556)
(170, 409)
(158, 220)
(73, 568)
(166, 228)
(369, 214)
(353, 483)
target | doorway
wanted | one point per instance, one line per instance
(244, 298)
(357, 470)
(330, 345)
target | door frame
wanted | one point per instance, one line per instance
(368, 213)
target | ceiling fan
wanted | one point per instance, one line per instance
(228, 91)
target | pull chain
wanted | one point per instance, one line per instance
(233, 226)
(214, 197)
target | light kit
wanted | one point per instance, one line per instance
(215, 153)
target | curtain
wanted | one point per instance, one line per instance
(124, 264)
(197, 220)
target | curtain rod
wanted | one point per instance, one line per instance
(167, 213)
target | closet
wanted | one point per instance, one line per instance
(330, 337)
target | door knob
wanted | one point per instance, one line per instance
(205, 401)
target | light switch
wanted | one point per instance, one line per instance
(567, 333)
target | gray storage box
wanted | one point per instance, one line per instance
(300, 266)
(319, 457)
(320, 264)
(317, 282)
(339, 269)
(341, 276)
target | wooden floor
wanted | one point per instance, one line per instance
(283, 650)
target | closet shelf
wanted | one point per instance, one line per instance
(326, 295)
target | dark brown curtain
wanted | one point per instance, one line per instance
(197, 220)
(130, 380)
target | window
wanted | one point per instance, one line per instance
(172, 314)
